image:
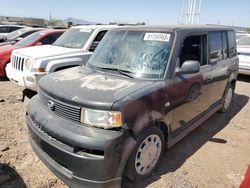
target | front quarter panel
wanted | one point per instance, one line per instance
(59, 62)
(146, 106)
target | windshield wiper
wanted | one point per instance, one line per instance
(122, 72)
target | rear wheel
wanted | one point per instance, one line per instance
(227, 100)
(148, 150)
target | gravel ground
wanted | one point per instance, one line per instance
(214, 155)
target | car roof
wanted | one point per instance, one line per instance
(31, 29)
(48, 31)
(181, 27)
(13, 25)
(96, 26)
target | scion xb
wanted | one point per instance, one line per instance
(142, 90)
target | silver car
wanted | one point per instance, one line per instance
(243, 48)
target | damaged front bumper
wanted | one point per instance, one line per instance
(81, 156)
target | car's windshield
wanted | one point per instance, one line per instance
(142, 54)
(244, 41)
(14, 34)
(74, 38)
(29, 39)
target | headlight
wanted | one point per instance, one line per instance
(99, 118)
(29, 64)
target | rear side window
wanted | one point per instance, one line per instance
(4, 29)
(50, 39)
(97, 40)
(13, 28)
(231, 43)
(215, 46)
(27, 33)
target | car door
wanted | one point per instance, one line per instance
(219, 61)
(191, 92)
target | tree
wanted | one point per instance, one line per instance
(141, 23)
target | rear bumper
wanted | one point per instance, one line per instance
(91, 159)
(26, 79)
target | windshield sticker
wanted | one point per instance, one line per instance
(163, 37)
(85, 30)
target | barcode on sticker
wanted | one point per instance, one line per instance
(164, 37)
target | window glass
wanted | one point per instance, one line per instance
(215, 44)
(231, 43)
(14, 28)
(193, 48)
(29, 39)
(74, 38)
(225, 45)
(138, 53)
(50, 38)
(27, 33)
(45, 40)
(4, 29)
(97, 40)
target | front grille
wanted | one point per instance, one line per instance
(65, 110)
(17, 62)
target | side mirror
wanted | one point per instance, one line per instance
(39, 44)
(190, 67)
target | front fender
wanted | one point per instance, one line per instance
(66, 62)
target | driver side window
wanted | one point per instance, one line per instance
(194, 48)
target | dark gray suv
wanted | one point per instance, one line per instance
(143, 90)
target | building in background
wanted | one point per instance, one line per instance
(34, 22)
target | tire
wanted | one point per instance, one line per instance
(227, 99)
(142, 160)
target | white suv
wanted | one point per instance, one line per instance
(73, 48)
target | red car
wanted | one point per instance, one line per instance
(47, 36)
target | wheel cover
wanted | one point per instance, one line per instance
(228, 98)
(148, 154)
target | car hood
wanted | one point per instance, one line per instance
(8, 48)
(84, 87)
(45, 51)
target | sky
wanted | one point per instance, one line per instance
(153, 12)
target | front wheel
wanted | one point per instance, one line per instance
(148, 150)
(227, 100)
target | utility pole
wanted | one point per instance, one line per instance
(190, 11)
(50, 17)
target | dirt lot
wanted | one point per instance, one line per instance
(214, 155)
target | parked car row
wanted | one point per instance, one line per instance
(15, 36)
(5, 29)
(73, 48)
(243, 49)
(38, 38)
(137, 92)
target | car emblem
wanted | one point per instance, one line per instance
(51, 105)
